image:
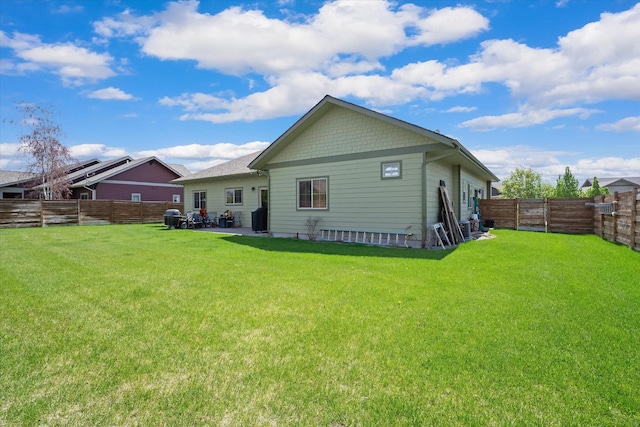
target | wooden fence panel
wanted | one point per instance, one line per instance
(151, 211)
(95, 212)
(59, 212)
(16, 213)
(38, 213)
(532, 215)
(572, 216)
(503, 212)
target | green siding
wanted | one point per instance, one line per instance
(216, 195)
(436, 171)
(358, 198)
(341, 132)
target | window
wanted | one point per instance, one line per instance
(312, 193)
(390, 170)
(176, 198)
(84, 196)
(135, 197)
(199, 200)
(234, 196)
(470, 200)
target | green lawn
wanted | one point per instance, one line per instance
(139, 325)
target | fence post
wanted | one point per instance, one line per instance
(79, 220)
(615, 217)
(41, 214)
(517, 202)
(601, 217)
(545, 213)
(634, 213)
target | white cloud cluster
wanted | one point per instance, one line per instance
(74, 64)
(340, 49)
(550, 164)
(110, 93)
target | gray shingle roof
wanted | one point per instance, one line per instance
(603, 182)
(9, 178)
(239, 166)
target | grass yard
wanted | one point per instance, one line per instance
(139, 325)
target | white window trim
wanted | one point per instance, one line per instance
(234, 203)
(136, 197)
(311, 208)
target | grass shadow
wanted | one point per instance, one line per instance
(333, 248)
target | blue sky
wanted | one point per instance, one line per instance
(544, 84)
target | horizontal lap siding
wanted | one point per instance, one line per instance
(216, 195)
(435, 172)
(358, 198)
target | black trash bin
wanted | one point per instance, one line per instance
(259, 220)
(172, 218)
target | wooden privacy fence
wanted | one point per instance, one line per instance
(43, 213)
(574, 216)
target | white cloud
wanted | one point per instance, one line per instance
(622, 125)
(449, 24)
(460, 109)
(525, 117)
(334, 51)
(66, 9)
(213, 152)
(551, 163)
(85, 151)
(75, 65)
(338, 38)
(110, 93)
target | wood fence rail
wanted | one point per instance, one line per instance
(43, 213)
(575, 216)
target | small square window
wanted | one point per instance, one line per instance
(391, 170)
(135, 197)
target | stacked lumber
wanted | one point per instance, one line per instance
(452, 227)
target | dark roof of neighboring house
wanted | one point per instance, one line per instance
(239, 166)
(126, 164)
(605, 182)
(13, 178)
(329, 102)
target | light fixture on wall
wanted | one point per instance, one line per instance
(253, 188)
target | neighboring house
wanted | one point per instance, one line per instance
(615, 184)
(355, 169)
(14, 184)
(229, 186)
(147, 179)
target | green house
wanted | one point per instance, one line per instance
(353, 169)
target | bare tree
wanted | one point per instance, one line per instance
(49, 159)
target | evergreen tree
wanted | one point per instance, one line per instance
(595, 189)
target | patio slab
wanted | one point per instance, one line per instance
(236, 231)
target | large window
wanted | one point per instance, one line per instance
(199, 200)
(312, 193)
(234, 196)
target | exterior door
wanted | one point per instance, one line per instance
(264, 198)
